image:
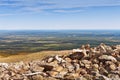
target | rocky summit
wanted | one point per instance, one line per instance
(85, 63)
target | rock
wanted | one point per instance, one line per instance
(112, 67)
(81, 64)
(47, 67)
(59, 59)
(78, 54)
(95, 66)
(87, 46)
(26, 67)
(54, 63)
(50, 59)
(83, 71)
(68, 60)
(13, 73)
(58, 69)
(102, 48)
(118, 47)
(102, 77)
(37, 77)
(77, 66)
(86, 63)
(39, 69)
(63, 73)
(53, 73)
(75, 75)
(6, 77)
(95, 61)
(81, 78)
(50, 78)
(70, 67)
(114, 77)
(107, 58)
(74, 61)
(17, 77)
(72, 76)
(95, 73)
(103, 71)
(87, 77)
(4, 65)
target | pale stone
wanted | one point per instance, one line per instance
(108, 58)
(112, 67)
(59, 68)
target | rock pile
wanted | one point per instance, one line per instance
(86, 63)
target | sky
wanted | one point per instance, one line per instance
(59, 14)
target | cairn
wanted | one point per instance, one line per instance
(86, 63)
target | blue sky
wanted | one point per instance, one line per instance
(59, 14)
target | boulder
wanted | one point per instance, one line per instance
(78, 54)
(107, 58)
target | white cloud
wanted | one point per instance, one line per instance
(67, 11)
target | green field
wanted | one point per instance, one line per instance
(34, 41)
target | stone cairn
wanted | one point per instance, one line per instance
(86, 63)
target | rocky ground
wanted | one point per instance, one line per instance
(86, 63)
